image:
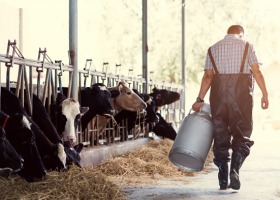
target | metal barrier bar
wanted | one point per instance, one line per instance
(53, 74)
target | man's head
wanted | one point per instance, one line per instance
(237, 30)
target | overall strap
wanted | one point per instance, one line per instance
(244, 57)
(212, 61)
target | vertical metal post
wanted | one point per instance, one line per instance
(145, 45)
(183, 57)
(1, 86)
(20, 30)
(73, 45)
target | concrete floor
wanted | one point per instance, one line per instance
(260, 178)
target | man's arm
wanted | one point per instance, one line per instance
(204, 87)
(261, 83)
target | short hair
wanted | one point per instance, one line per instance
(235, 29)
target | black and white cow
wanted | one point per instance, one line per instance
(47, 140)
(164, 97)
(20, 135)
(68, 116)
(97, 98)
(164, 129)
(10, 160)
(150, 116)
(43, 120)
(52, 151)
(50, 143)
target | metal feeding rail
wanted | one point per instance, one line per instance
(47, 89)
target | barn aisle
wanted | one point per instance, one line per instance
(260, 177)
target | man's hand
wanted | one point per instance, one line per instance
(264, 102)
(197, 106)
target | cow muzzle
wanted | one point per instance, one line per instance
(70, 138)
(142, 106)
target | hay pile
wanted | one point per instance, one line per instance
(149, 160)
(76, 183)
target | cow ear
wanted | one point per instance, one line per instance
(146, 97)
(83, 110)
(114, 93)
(123, 89)
(79, 147)
(60, 97)
(122, 83)
(154, 89)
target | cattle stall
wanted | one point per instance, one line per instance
(45, 77)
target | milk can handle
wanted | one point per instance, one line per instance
(199, 110)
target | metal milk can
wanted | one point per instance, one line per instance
(193, 141)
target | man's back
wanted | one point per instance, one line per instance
(228, 54)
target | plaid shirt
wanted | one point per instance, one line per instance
(228, 54)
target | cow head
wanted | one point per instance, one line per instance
(57, 160)
(164, 129)
(73, 153)
(164, 97)
(10, 160)
(69, 115)
(127, 100)
(150, 116)
(101, 99)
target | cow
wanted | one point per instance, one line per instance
(68, 114)
(49, 143)
(164, 97)
(59, 153)
(19, 133)
(164, 129)
(43, 120)
(149, 116)
(126, 100)
(10, 160)
(97, 98)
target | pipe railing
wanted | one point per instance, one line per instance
(54, 71)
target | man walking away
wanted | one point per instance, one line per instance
(230, 70)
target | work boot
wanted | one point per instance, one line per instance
(237, 160)
(223, 176)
